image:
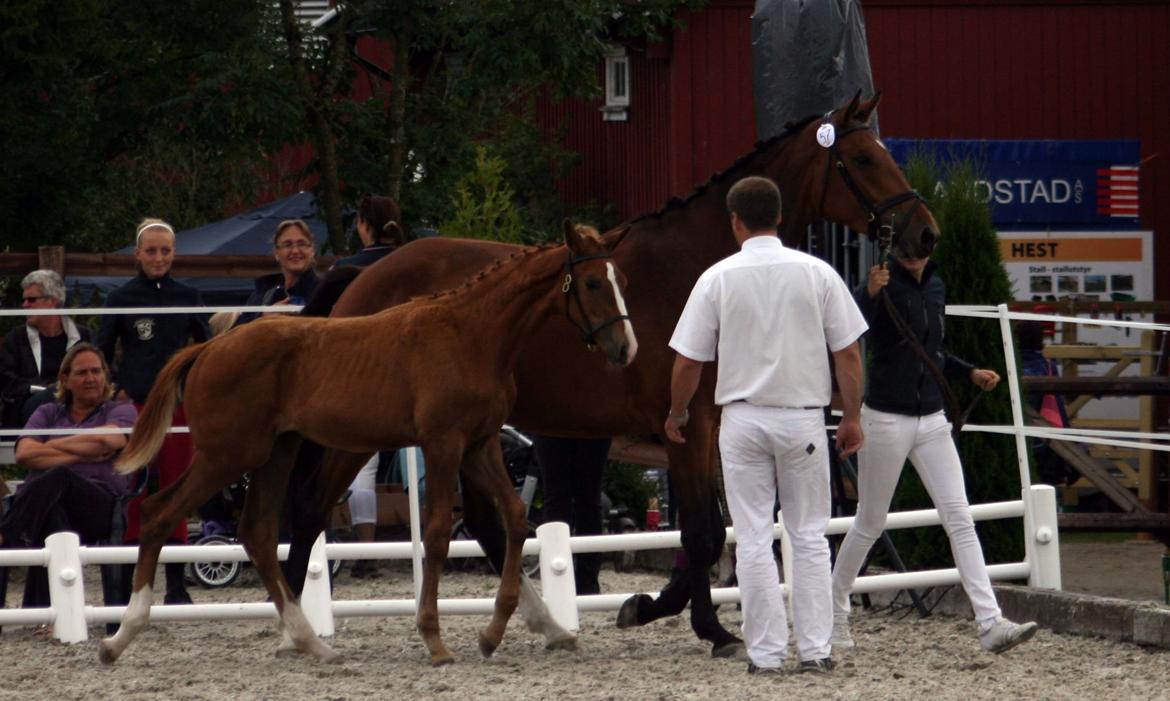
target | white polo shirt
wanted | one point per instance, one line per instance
(767, 313)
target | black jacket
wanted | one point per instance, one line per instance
(269, 289)
(369, 255)
(18, 370)
(149, 340)
(898, 381)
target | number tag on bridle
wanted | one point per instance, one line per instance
(568, 283)
(826, 135)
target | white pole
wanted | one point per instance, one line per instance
(66, 589)
(1013, 382)
(557, 584)
(316, 599)
(1042, 536)
(415, 521)
(786, 559)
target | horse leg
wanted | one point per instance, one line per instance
(258, 531)
(161, 512)
(488, 473)
(482, 522)
(443, 456)
(703, 537)
(317, 481)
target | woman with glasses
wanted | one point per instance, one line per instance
(148, 341)
(295, 252)
(31, 354)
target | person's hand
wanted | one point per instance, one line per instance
(673, 425)
(879, 277)
(985, 379)
(849, 437)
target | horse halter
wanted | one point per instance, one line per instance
(885, 233)
(572, 294)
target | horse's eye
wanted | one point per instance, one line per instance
(592, 284)
(862, 159)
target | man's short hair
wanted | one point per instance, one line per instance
(50, 283)
(756, 201)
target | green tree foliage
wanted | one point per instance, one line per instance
(484, 202)
(969, 262)
(115, 111)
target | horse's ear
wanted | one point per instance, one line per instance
(572, 238)
(393, 232)
(851, 108)
(613, 238)
(865, 109)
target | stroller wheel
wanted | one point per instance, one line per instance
(214, 575)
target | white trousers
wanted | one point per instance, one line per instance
(765, 451)
(926, 440)
(363, 501)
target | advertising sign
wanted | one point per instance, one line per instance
(1046, 184)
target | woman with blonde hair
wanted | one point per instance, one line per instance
(148, 341)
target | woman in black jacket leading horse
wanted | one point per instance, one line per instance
(902, 416)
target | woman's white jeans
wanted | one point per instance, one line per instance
(363, 501)
(765, 451)
(926, 440)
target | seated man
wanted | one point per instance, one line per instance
(71, 483)
(31, 354)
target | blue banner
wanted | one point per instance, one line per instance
(1046, 184)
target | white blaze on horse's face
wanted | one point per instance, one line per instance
(611, 273)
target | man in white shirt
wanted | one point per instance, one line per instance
(766, 315)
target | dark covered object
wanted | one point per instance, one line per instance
(808, 56)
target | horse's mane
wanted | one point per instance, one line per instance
(476, 278)
(761, 146)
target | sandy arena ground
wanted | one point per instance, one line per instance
(896, 658)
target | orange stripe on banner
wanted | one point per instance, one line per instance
(1095, 249)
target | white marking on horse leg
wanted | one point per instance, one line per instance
(621, 305)
(538, 619)
(298, 634)
(134, 621)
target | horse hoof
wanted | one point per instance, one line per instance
(732, 650)
(628, 614)
(441, 660)
(106, 653)
(568, 641)
(487, 646)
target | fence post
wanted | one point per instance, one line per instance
(786, 560)
(316, 599)
(1042, 536)
(557, 584)
(66, 589)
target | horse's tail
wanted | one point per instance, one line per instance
(329, 290)
(151, 427)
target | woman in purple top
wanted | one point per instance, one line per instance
(71, 483)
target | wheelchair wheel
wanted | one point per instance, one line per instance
(214, 575)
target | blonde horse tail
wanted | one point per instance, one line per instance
(151, 427)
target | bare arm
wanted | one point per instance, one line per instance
(38, 456)
(684, 380)
(93, 446)
(850, 380)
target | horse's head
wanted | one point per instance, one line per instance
(593, 288)
(863, 187)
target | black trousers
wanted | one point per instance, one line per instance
(571, 471)
(59, 500)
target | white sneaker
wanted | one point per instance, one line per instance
(1003, 635)
(841, 639)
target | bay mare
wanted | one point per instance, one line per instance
(855, 182)
(437, 373)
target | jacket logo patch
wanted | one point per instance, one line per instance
(144, 328)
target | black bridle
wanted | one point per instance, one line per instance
(572, 294)
(886, 233)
